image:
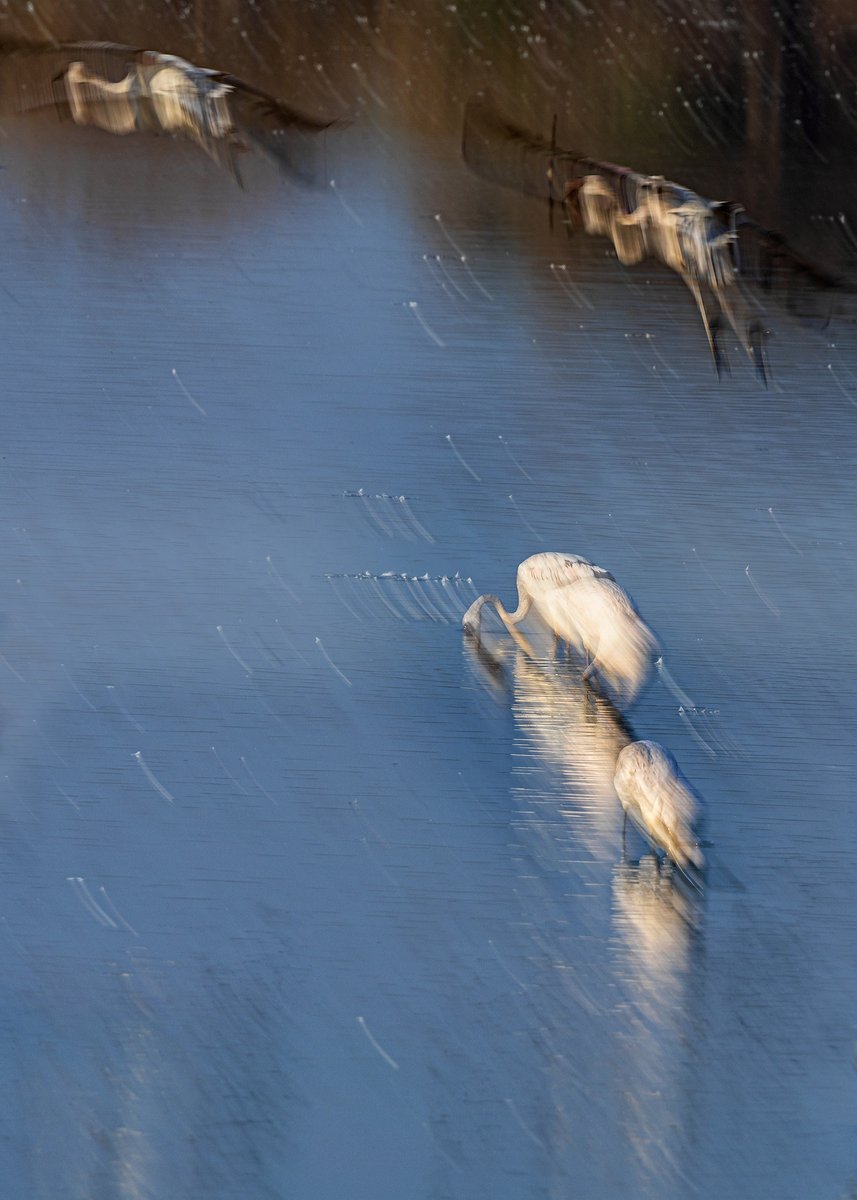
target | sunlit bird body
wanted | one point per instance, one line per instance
(156, 93)
(685, 232)
(167, 95)
(660, 801)
(713, 246)
(584, 606)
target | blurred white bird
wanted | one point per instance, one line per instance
(124, 90)
(660, 801)
(586, 608)
(684, 231)
(713, 246)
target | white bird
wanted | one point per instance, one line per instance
(684, 231)
(124, 90)
(713, 246)
(658, 798)
(586, 608)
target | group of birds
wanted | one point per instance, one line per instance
(713, 246)
(583, 606)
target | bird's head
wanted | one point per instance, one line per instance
(471, 622)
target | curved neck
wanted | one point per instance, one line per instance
(473, 616)
(505, 616)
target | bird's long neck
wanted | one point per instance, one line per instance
(520, 612)
(78, 76)
(510, 620)
(473, 616)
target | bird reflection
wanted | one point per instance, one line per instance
(713, 246)
(123, 90)
(584, 606)
(656, 944)
(567, 727)
(657, 916)
(580, 733)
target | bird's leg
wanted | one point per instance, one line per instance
(749, 333)
(756, 336)
(556, 644)
(624, 832)
(711, 325)
(590, 657)
(721, 362)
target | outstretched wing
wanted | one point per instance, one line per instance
(807, 290)
(283, 134)
(502, 152)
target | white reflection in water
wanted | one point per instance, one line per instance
(655, 918)
(636, 1021)
(567, 741)
(657, 922)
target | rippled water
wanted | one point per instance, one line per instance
(301, 897)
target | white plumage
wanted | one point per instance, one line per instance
(657, 797)
(123, 90)
(585, 607)
(682, 230)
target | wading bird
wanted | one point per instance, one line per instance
(124, 90)
(659, 800)
(713, 246)
(585, 607)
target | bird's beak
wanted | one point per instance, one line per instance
(471, 622)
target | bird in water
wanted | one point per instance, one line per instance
(713, 246)
(584, 606)
(124, 90)
(660, 801)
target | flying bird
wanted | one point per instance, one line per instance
(712, 245)
(124, 90)
(584, 606)
(660, 801)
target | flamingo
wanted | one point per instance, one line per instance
(660, 801)
(155, 93)
(586, 608)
